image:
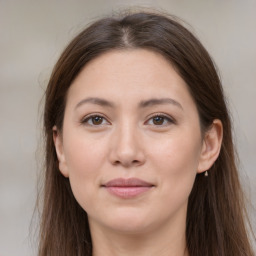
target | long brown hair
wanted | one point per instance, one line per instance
(216, 216)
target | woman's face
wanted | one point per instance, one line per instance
(131, 143)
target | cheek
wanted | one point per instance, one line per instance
(180, 152)
(84, 159)
(83, 155)
(176, 161)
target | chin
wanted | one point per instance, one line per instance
(129, 222)
(131, 228)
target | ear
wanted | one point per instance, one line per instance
(60, 152)
(211, 146)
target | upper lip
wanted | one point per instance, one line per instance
(131, 182)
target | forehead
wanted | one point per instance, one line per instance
(129, 74)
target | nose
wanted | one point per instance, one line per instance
(127, 147)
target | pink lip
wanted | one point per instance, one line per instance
(127, 188)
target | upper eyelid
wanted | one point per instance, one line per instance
(87, 117)
(161, 115)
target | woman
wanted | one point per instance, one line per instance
(139, 151)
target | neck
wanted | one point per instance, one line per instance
(164, 241)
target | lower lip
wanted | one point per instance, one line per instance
(127, 192)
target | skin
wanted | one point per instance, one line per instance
(126, 141)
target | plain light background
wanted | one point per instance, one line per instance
(33, 34)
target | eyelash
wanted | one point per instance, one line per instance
(166, 118)
(86, 120)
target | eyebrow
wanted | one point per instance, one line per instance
(162, 101)
(142, 104)
(97, 101)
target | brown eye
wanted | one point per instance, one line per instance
(97, 120)
(158, 120)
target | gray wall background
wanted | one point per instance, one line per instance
(33, 33)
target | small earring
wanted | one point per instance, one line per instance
(206, 174)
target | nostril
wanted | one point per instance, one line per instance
(127, 163)
(117, 162)
(126, 154)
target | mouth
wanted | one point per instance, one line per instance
(127, 188)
